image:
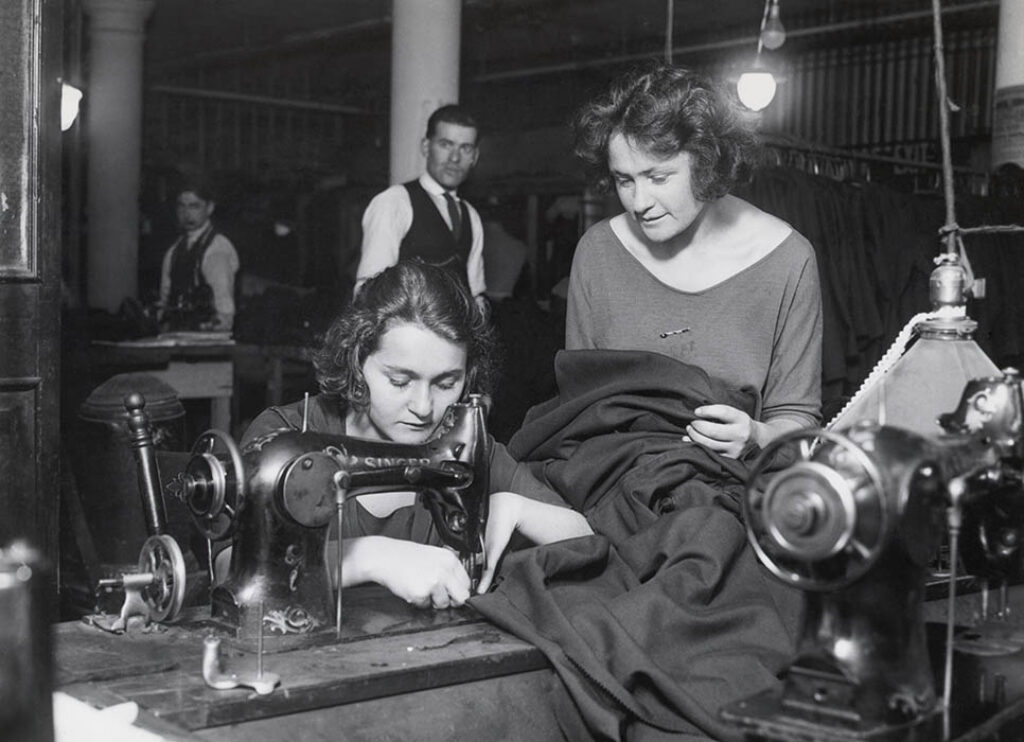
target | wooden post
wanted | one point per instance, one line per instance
(30, 250)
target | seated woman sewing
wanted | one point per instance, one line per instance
(412, 343)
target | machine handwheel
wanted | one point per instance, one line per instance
(161, 556)
(821, 522)
(214, 488)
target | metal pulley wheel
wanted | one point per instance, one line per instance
(161, 557)
(821, 522)
(213, 484)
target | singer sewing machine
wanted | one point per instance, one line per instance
(276, 499)
(856, 521)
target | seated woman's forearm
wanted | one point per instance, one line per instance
(364, 559)
(540, 522)
(420, 574)
(359, 557)
(544, 524)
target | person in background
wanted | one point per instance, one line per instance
(412, 343)
(425, 218)
(688, 270)
(197, 276)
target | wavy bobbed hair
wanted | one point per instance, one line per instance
(666, 110)
(410, 291)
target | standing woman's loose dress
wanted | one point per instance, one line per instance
(760, 328)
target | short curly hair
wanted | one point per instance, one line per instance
(409, 291)
(667, 110)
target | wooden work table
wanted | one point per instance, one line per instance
(397, 673)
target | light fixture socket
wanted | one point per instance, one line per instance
(773, 34)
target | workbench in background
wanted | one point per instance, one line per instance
(211, 366)
(195, 365)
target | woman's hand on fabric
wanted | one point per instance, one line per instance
(722, 428)
(503, 517)
(540, 522)
(425, 576)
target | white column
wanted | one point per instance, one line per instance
(425, 51)
(1008, 116)
(113, 140)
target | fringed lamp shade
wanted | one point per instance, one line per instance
(929, 378)
(925, 382)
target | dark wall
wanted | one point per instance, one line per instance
(30, 272)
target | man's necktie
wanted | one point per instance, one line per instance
(454, 215)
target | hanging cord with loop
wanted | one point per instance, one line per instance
(951, 231)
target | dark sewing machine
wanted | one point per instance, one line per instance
(856, 521)
(276, 499)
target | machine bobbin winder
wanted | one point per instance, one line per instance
(156, 591)
(856, 521)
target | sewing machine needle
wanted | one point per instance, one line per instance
(209, 562)
(259, 647)
(337, 609)
(339, 501)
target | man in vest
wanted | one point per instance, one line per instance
(425, 218)
(197, 278)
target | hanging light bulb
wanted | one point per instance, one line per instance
(756, 87)
(773, 33)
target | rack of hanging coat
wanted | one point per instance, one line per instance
(870, 167)
(874, 227)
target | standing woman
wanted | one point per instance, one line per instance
(689, 270)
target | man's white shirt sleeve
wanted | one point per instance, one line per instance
(165, 275)
(475, 261)
(220, 264)
(386, 221)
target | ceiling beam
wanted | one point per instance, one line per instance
(266, 100)
(751, 40)
(291, 43)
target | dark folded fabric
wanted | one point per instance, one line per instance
(664, 614)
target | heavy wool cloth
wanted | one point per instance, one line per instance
(664, 614)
